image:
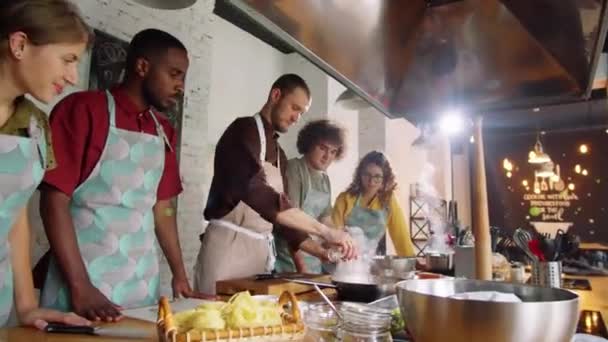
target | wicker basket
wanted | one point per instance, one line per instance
(292, 328)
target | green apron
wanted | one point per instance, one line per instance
(114, 221)
(314, 204)
(372, 221)
(22, 165)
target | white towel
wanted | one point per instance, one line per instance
(488, 296)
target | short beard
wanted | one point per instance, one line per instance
(274, 115)
(150, 98)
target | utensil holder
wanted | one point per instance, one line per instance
(547, 274)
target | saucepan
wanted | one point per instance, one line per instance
(356, 290)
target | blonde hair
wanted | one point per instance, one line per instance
(43, 21)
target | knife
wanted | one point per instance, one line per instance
(109, 330)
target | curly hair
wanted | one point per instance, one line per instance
(388, 183)
(317, 131)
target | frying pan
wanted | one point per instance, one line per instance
(352, 292)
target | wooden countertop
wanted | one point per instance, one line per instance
(30, 334)
(594, 246)
(597, 298)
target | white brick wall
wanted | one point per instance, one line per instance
(193, 27)
(230, 75)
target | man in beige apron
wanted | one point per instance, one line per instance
(247, 194)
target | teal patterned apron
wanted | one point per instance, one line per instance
(372, 221)
(22, 165)
(114, 221)
(314, 204)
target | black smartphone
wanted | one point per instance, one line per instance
(266, 276)
(592, 323)
(69, 329)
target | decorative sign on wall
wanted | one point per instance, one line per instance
(555, 181)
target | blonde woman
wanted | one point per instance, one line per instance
(41, 42)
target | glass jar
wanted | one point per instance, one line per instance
(365, 324)
(321, 324)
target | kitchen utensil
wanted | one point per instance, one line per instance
(347, 291)
(439, 262)
(401, 267)
(559, 239)
(547, 246)
(331, 305)
(119, 330)
(534, 246)
(431, 316)
(522, 239)
(289, 328)
(268, 284)
(570, 244)
(321, 323)
(547, 274)
(365, 324)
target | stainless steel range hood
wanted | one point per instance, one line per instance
(415, 58)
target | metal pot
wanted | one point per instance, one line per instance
(544, 315)
(439, 262)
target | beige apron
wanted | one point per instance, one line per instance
(241, 243)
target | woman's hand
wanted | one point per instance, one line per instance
(40, 318)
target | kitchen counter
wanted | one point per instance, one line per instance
(594, 246)
(596, 300)
(30, 334)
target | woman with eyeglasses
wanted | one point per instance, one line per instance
(371, 204)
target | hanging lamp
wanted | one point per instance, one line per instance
(538, 156)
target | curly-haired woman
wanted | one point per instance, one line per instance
(371, 204)
(320, 143)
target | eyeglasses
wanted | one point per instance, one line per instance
(374, 178)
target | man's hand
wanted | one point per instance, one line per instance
(89, 302)
(340, 238)
(40, 318)
(182, 289)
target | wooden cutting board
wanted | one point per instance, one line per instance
(269, 286)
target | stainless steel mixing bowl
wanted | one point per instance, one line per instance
(399, 266)
(544, 315)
